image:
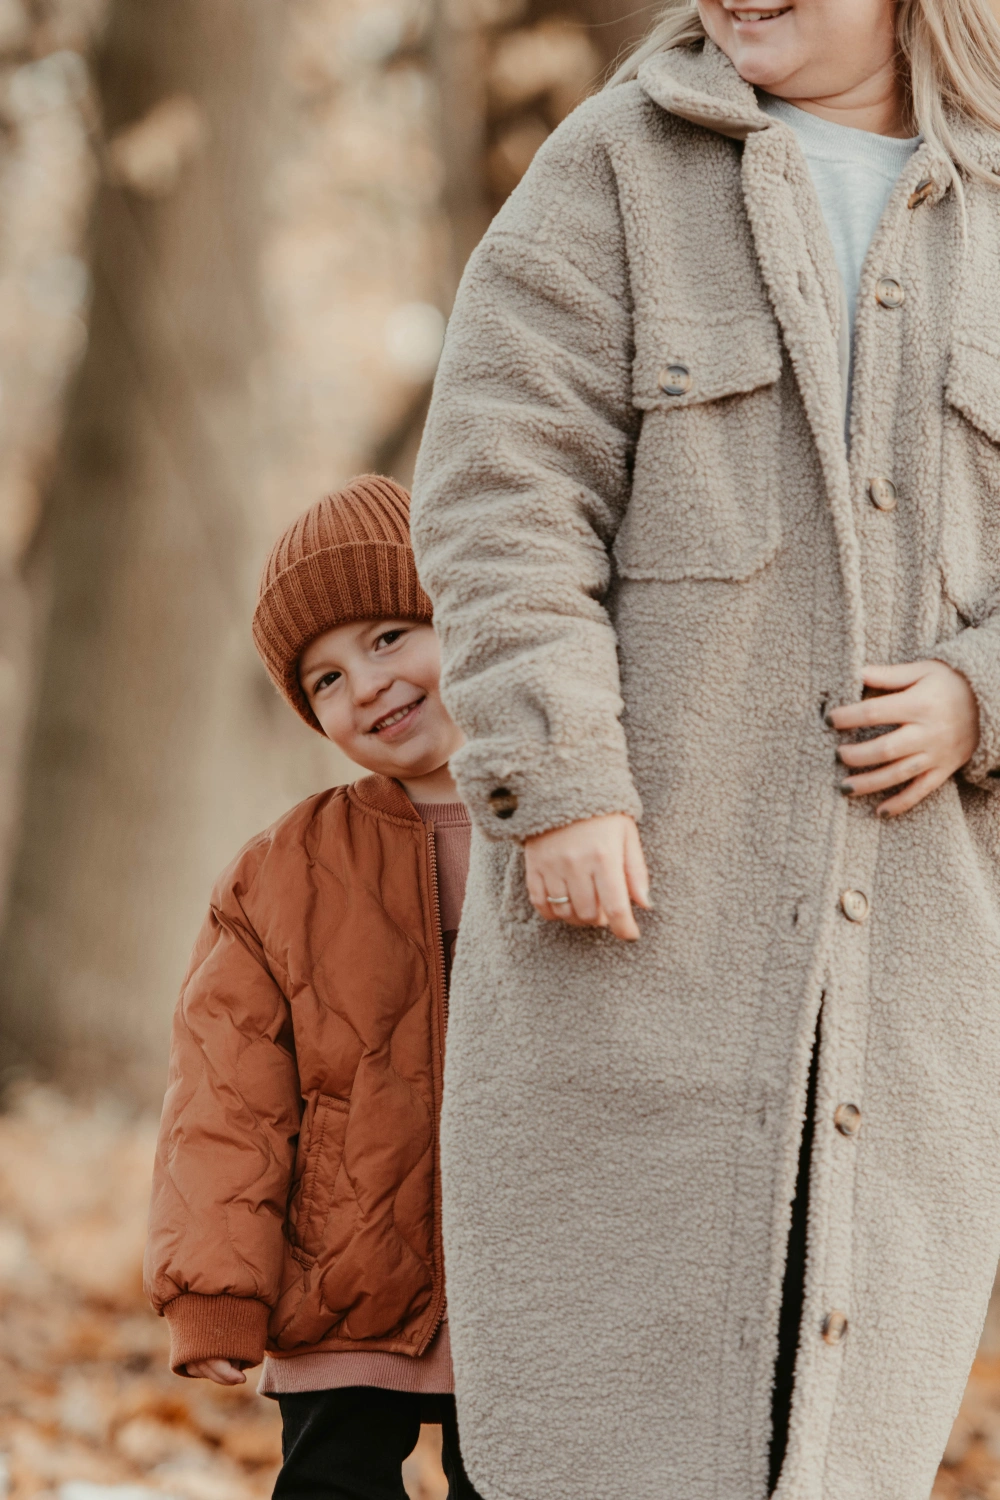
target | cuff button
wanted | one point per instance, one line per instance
(503, 802)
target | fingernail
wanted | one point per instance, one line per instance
(828, 721)
(846, 788)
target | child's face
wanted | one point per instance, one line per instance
(374, 687)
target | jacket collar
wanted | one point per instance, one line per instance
(383, 795)
(700, 84)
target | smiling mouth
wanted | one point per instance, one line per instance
(760, 15)
(389, 721)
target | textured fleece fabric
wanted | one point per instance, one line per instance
(647, 602)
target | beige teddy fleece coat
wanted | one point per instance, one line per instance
(654, 566)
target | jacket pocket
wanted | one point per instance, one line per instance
(970, 479)
(321, 1152)
(705, 500)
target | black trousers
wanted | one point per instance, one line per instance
(350, 1444)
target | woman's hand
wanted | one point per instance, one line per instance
(937, 716)
(589, 874)
(222, 1371)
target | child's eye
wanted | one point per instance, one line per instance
(325, 681)
(388, 637)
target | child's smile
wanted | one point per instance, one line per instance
(394, 725)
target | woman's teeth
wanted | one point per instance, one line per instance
(760, 15)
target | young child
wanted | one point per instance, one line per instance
(296, 1198)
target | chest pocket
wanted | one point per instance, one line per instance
(705, 488)
(970, 480)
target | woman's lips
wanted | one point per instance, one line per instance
(391, 725)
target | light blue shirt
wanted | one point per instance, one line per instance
(854, 173)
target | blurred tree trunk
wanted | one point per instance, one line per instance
(48, 174)
(159, 745)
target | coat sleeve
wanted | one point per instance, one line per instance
(226, 1144)
(521, 483)
(975, 652)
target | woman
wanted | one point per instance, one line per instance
(670, 586)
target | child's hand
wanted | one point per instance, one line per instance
(599, 864)
(222, 1371)
(938, 730)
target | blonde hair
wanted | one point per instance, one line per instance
(951, 49)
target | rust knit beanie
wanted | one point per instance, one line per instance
(346, 558)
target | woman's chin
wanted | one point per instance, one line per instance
(762, 72)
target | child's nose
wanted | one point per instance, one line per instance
(368, 683)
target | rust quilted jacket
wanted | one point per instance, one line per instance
(296, 1196)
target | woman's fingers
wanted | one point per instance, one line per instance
(537, 894)
(583, 899)
(919, 788)
(904, 674)
(636, 871)
(907, 740)
(613, 897)
(893, 774)
(887, 708)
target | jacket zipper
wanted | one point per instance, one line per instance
(436, 907)
(438, 941)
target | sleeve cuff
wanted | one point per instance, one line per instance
(221, 1327)
(975, 653)
(515, 794)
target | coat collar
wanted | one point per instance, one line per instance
(701, 85)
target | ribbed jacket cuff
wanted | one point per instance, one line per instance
(516, 793)
(216, 1328)
(976, 654)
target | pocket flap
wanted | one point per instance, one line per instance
(683, 364)
(973, 385)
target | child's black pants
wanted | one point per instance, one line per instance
(349, 1444)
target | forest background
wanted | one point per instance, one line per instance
(230, 235)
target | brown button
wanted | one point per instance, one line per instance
(847, 1118)
(888, 292)
(675, 380)
(920, 193)
(854, 905)
(834, 1327)
(503, 802)
(882, 493)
